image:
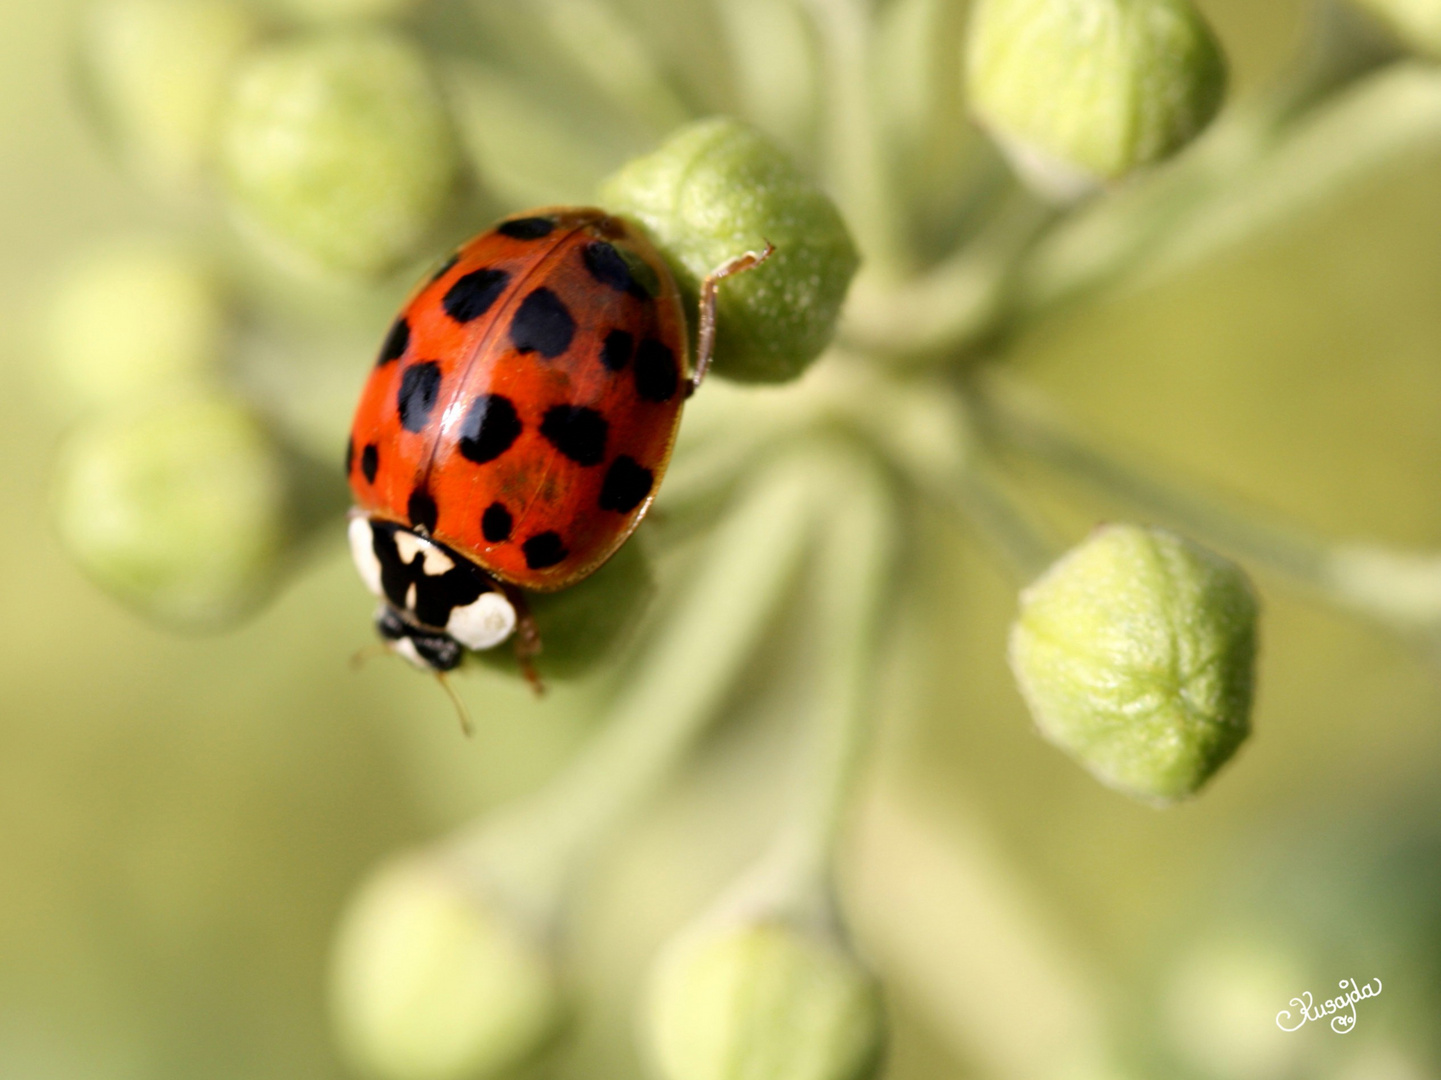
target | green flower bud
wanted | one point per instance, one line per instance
(129, 318)
(1416, 22)
(156, 72)
(582, 625)
(338, 150)
(179, 506)
(1135, 652)
(763, 1001)
(1079, 92)
(719, 188)
(429, 981)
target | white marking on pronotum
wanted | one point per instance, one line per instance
(362, 550)
(483, 624)
(406, 648)
(410, 597)
(435, 562)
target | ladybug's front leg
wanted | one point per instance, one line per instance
(527, 637)
(705, 333)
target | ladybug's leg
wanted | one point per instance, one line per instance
(527, 637)
(705, 335)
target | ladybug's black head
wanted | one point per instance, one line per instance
(435, 602)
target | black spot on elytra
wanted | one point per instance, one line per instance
(349, 454)
(489, 429)
(445, 268)
(419, 387)
(472, 294)
(370, 462)
(526, 228)
(656, 374)
(396, 342)
(542, 324)
(577, 432)
(421, 510)
(496, 522)
(615, 353)
(544, 549)
(609, 267)
(627, 483)
(606, 265)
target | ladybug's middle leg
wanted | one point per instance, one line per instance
(527, 637)
(705, 333)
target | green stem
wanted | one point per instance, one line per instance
(954, 305)
(853, 570)
(530, 852)
(855, 162)
(1320, 127)
(1399, 589)
(988, 506)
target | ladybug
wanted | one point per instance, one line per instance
(516, 425)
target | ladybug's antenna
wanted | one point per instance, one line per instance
(369, 652)
(466, 727)
(705, 335)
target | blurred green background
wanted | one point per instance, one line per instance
(182, 818)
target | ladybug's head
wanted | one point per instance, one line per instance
(435, 603)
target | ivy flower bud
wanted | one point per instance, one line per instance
(155, 72)
(1416, 22)
(338, 150)
(1135, 652)
(129, 318)
(1080, 92)
(179, 506)
(764, 1000)
(718, 188)
(431, 982)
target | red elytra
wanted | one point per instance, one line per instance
(522, 411)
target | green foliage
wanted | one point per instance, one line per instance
(434, 981)
(717, 189)
(1417, 22)
(339, 149)
(1136, 653)
(1085, 91)
(178, 504)
(156, 72)
(763, 1001)
(130, 318)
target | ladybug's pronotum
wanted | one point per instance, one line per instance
(516, 426)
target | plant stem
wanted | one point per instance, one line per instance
(1401, 590)
(933, 317)
(855, 164)
(853, 574)
(530, 852)
(852, 570)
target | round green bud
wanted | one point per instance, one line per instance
(1416, 22)
(582, 625)
(178, 505)
(1080, 92)
(338, 151)
(430, 981)
(763, 1001)
(1136, 654)
(155, 72)
(129, 318)
(717, 189)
